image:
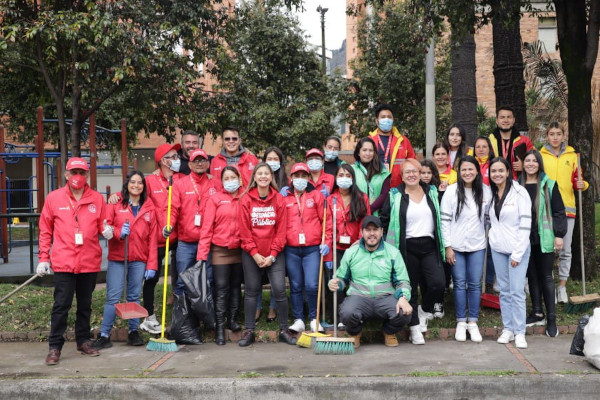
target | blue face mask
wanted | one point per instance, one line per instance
(275, 165)
(315, 164)
(344, 182)
(331, 155)
(231, 186)
(300, 184)
(385, 124)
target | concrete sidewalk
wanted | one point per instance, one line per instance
(274, 370)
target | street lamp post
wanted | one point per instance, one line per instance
(323, 57)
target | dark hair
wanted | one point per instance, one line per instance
(358, 208)
(505, 108)
(280, 176)
(125, 189)
(232, 169)
(477, 187)
(462, 148)
(441, 145)
(336, 138)
(231, 128)
(435, 174)
(489, 143)
(540, 174)
(493, 186)
(383, 107)
(374, 167)
(555, 124)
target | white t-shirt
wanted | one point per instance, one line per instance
(453, 156)
(419, 221)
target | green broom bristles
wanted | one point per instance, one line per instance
(332, 345)
(580, 304)
(162, 344)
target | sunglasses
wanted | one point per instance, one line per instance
(231, 139)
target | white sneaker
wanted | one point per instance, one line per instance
(341, 327)
(506, 337)
(416, 337)
(438, 310)
(461, 332)
(561, 294)
(298, 326)
(520, 342)
(151, 325)
(313, 326)
(474, 332)
(423, 318)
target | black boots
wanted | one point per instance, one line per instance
(247, 338)
(221, 309)
(235, 295)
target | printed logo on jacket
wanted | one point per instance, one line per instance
(262, 216)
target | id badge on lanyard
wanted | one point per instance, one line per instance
(344, 239)
(301, 236)
(197, 220)
(79, 238)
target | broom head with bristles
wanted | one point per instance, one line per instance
(579, 304)
(334, 345)
(162, 345)
(307, 339)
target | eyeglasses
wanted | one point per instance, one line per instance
(231, 139)
(411, 172)
(173, 157)
(199, 160)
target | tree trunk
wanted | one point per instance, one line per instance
(76, 124)
(578, 51)
(509, 84)
(62, 140)
(464, 92)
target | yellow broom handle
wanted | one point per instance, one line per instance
(164, 303)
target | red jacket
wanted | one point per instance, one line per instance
(142, 239)
(62, 217)
(343, 225)
(157, 188)
(190, 195)
(262, 223)
(484, 167)
(307, 219)
(324, 178)
(221, 224)
(400, 148)
(246, 165)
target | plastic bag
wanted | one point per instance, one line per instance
(199, 292)
(184, 325)
(591, 334)
(578, 340)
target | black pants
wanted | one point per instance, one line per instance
(150, 284)
(541, 282)
(253, 285)
(65, 286)
(355, 310)
(228, 288)
(424, 270)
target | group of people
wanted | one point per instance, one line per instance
(402, 227)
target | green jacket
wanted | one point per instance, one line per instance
(544, 216)
(373, 274)
(371, 188)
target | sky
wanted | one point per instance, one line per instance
(335, 22)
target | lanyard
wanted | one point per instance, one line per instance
(197, 194)
(505, 148)
(300, 212)
(343, 215)
(162, 183)
(74, 210)
(387, 150)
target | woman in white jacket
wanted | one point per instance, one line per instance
(510, 217)
(464, 209)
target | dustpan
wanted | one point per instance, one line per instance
(128, 310)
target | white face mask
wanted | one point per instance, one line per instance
(300, 184)
(231, 186)
(175, 165)
(275, 165)
(344, 182)
(331, 155)
(315, 164)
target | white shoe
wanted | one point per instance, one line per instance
(474, 332)
(298, 326)
(151, 325)
(423, 318)
(496, 287)
(506, 337)
(341, 327)
(561, 294)
(461, 332)
(520, 342)
(416, 337)
(313, 326)
(438, 310)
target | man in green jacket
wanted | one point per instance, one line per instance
(378, 284)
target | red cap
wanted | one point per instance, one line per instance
(77, 163)
(300, 167)
(314, 152)
(164, 149)
(198, 153)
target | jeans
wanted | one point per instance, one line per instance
(302, 264)
(564, 266)
(512, 290)
(490, 272)
(541, 281)
(186, 258)
(355, 310)
(114, 289)
(66, 285)
(466, 274)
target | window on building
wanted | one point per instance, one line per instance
(547, 33)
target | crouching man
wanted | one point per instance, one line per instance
(378, 284)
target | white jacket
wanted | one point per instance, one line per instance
(510, 233)
(467, 234)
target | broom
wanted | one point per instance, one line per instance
(334, 345)
(163, 344)
(306, 339)
(578, 304)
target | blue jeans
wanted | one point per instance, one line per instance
(302, 264)
(186, 258)
(466, 274)
(114, 289)
(490, 274)
(512, 290)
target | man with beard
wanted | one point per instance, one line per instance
(507, 142)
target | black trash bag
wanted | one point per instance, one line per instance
(199, 292)
(578, 340)
(184, 325)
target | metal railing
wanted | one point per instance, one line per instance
(30, 219)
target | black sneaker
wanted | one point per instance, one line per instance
(101, 343)
(134, 339)
(534, 319)
(247, 338)
(287, 337)
(551, 329)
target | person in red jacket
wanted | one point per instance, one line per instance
(263, 222)
(71, 220)
(233, 153)
(134, 225)
(304, 206)
(322, 181)
(190, 195)
(220, 236)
